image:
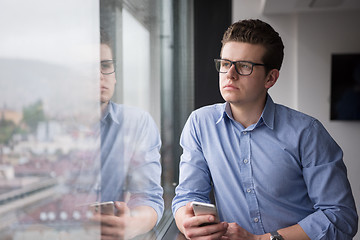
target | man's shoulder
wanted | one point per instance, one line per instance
(216, 109)
(208, 113)
(123, 112)
(288, 114)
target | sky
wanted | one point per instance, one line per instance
(47, 48)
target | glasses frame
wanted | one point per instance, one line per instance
(104, 61)
(234, 63)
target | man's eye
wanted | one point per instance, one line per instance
(225, 64)
(244, 66)
(106, 65)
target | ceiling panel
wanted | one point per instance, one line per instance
(296, 6)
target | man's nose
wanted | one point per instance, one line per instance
(102, 76)
(232, 73)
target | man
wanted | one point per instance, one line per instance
(130, 166)
(276, 173)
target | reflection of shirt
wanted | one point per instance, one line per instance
(130, 165)
(283, 170)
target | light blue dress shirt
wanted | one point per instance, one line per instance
(283, 170)
(130, 158)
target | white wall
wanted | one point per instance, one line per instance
(304, 83)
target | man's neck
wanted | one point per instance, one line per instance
(103, 107)
(247, 114)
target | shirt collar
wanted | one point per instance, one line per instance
(266, 117)
(226, 111)
(268, 114)
(110, 112)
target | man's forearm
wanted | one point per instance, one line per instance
(294, 232)
(143, 219)
(179, 218)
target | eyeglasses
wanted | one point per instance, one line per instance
(107, 67)
(243, 68)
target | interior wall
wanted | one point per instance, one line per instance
(304, 82)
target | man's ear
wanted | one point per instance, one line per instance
(271, 78)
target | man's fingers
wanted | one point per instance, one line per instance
(189, 209)
(110, 231)
(199, 220)
(214, 231)
(122, 208)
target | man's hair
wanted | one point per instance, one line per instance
(105, 37)
(255, 31)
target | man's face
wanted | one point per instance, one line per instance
(107, 82)
(243, 90)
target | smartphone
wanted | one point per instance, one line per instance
(107, 208)
(201, 208)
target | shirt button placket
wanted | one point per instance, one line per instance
(247, 181)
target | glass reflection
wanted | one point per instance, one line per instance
(51, 167)
(130, 167)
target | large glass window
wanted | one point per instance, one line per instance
(49, 100)
(56, 139)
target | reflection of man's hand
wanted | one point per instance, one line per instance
(115, 226)
(124, 225)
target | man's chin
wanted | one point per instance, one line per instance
(104, 101)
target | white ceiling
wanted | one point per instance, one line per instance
(296, 6)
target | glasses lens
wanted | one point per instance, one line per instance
(107, 66)
(222, 66)
(244, 68)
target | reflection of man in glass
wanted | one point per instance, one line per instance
(130, 167)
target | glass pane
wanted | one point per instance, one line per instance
(130, 136)
(136, 62)
(49, 95)
(59, 153)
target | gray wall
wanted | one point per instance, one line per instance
(304, 84)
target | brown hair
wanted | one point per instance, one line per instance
(255, 31)
(105, 37)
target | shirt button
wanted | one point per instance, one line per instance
(256, 220)
(248, 190)
(246, 161)
(244, 133)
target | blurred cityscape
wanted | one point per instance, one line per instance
(40, 163)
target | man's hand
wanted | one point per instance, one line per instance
(293, 232)
(234, 231)
(124, 225)
(192, 226)
(114, 226)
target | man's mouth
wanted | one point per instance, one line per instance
(229, 86)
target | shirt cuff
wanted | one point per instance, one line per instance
(178, 205)
(315, 225)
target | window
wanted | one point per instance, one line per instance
(49, 103)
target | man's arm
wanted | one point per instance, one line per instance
(294, 232)
(235, 231)
(144, 176)
(325, 175)
(127, 224)
(189, 225)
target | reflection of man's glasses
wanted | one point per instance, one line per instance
(243, 68)
(107, 67)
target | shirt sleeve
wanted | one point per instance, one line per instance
(145, 173)
(195, 178)
(325, 175)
